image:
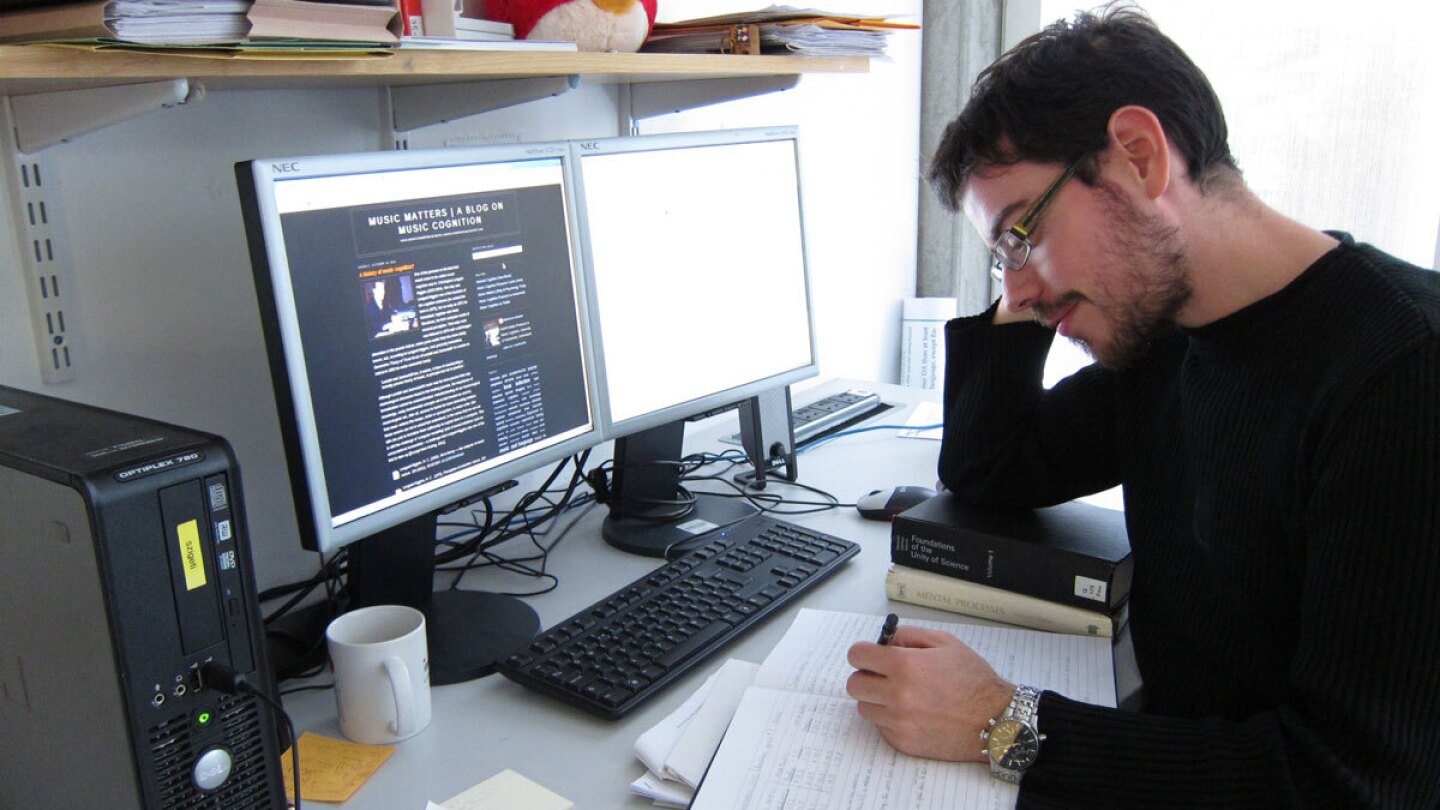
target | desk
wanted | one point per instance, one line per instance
(484, 726)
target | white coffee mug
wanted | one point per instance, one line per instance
(382, 673)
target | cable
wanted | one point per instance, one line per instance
(817, 442)
(222, 677)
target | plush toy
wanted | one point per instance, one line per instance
(593, 25)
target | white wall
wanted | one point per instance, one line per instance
(165, 307)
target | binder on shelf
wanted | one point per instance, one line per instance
(68, 21)
(267, 19)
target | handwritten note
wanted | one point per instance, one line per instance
(332, 770)
(796, 741)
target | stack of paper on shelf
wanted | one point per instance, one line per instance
(202, 23)
(777, 30)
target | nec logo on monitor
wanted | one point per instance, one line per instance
(284, 168)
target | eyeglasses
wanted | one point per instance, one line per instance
(1012, 249)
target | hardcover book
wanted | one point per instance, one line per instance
(955, 595)
(1074, 553)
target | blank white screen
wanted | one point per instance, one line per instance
(699, 270)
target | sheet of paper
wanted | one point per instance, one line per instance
(927, 415)
(653, 747)
(696, 747)
(786, 750)
(506, 790)
(332, 770)
(796, 739)
(663, 792)
(811, 655)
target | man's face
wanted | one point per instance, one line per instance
(378, 290)
(1101, 271)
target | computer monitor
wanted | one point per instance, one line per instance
(425, 320)
(695, 250)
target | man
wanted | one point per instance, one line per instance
(377, 312)
(1268, 394)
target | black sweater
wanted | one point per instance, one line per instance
(1282, 492)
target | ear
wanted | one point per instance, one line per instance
(1138, 140)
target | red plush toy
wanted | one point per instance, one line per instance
(594, 25)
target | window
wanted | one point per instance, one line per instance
(1332, 107)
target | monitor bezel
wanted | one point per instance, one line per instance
(715, 400)
(290, 376)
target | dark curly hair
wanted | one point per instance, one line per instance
(1050, 98)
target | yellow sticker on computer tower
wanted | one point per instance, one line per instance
(192, 556)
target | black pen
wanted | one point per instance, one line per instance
(888, 631)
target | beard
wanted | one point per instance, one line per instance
(1147, 284)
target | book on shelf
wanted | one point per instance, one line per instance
(796, 738)
(1074, 553)
(927, 589)
(320, 20)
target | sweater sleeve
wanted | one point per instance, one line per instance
(1009, 442)
(1357, 723)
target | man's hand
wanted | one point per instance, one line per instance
(928, 693)
(1003, 313)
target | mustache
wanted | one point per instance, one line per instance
(1045, 313)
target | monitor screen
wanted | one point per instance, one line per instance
(695, 247)
(425, 319)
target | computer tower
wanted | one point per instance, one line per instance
(124, 569)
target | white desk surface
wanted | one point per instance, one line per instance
(484, 726)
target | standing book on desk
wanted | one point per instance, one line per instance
(1075, 553)
(797, 740)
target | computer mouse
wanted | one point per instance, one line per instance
(884, 504)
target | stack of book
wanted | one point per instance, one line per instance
(1065, 569)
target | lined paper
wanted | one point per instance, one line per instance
(796, 741)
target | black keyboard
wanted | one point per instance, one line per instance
(621, 651)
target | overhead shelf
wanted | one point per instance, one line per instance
(28, 69)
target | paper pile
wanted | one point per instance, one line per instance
(677, 751)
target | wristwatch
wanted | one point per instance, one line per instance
(1012, 742)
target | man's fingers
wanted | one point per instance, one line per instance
(866, 687)
(908, 635)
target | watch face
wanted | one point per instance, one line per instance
(1013, 745)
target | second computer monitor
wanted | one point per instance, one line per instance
(700, 297)
(695, 244)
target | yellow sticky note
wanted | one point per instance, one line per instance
(507, 790)
(332, 770)
(192, 556)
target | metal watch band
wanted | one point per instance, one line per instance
(1024, 706)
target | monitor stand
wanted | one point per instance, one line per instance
(468, 632)
(648, 514)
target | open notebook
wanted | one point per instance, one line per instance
(796, 740)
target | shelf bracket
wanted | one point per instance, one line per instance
(44, 254)
(649, 99)
(425, 105)
(45, 119)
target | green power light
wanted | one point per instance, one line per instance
(203, 718)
